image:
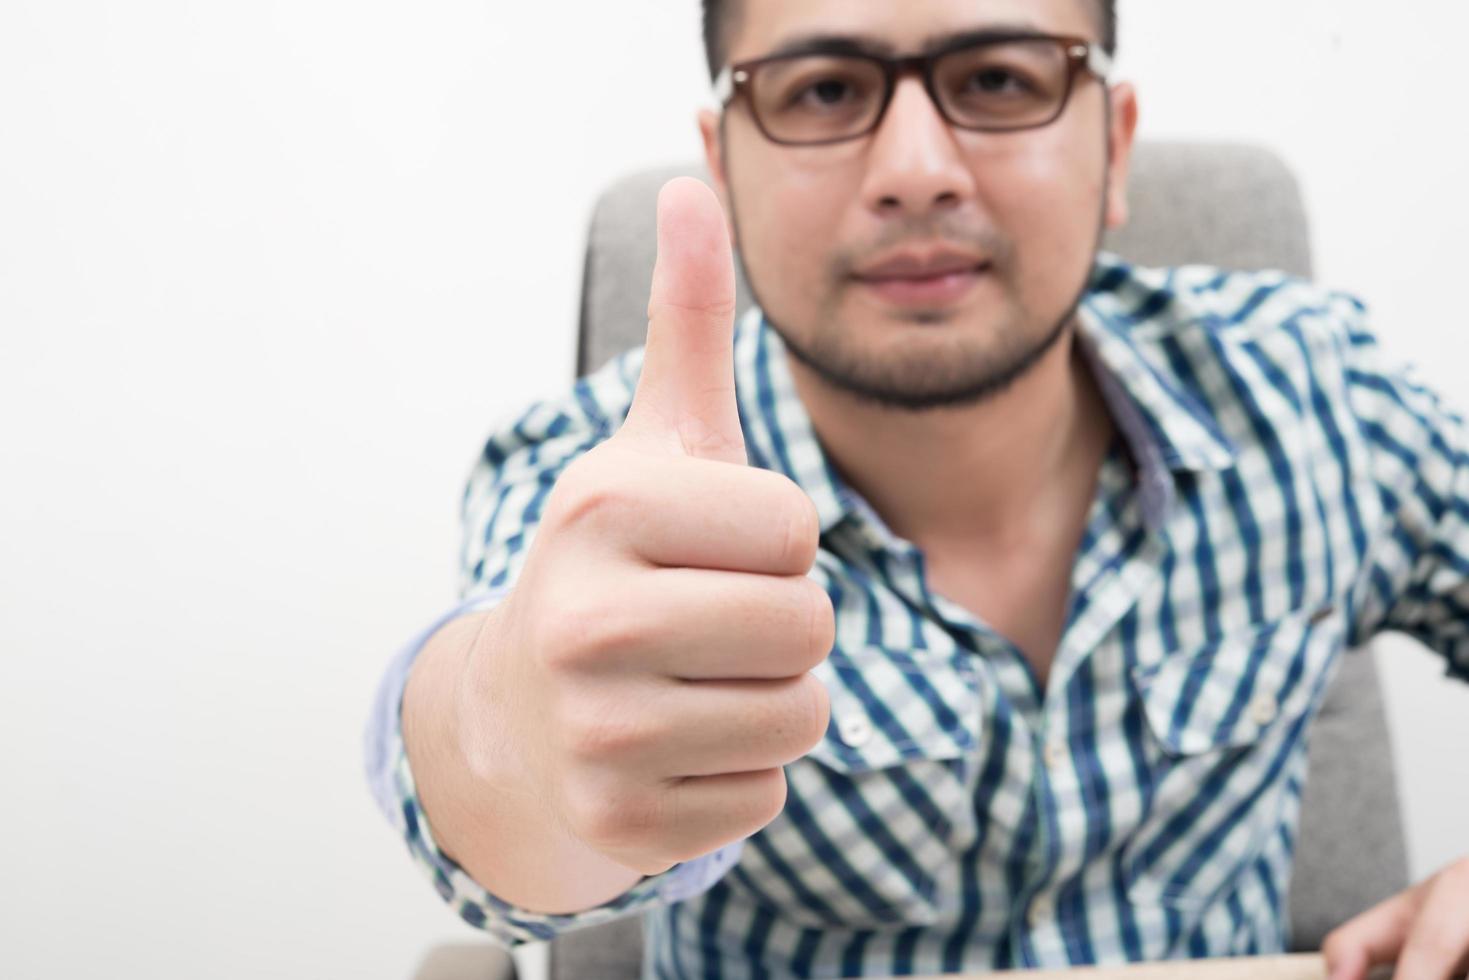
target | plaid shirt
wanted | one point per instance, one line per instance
(1279, 491)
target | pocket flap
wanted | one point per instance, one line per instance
(1226, 694)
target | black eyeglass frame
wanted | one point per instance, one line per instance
(1081, 55)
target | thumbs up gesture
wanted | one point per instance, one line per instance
(651, 667)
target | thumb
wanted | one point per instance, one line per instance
(685, 400)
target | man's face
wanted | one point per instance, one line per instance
(821, 229)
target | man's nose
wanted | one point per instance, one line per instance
(914, 164)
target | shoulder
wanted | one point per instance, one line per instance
(566, 424)
(1234, 335)
(1233, 308)
(509, 485)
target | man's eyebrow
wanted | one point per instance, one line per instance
(831, 43)
(990, 32)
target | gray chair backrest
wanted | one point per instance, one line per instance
(1221, 204)
(1213, 203)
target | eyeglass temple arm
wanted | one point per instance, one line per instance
(724, 87)
(1099, 62)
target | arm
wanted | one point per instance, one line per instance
(1417, 577)
(615, 726)
(1412, 466)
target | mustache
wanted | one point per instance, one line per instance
(927, 232)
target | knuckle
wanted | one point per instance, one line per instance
(716, 307)
(571, 484)
(801, 529)
(821, 622)
(591, 629)
(820, 717)
(583, 812)
(707, 441)
(637, 816)
(586, 495)
(808, 714)
(565, 638)
(588, 507)
(620, 821)
(759, 800)
(616, 628)
(768, 798)
(598, 737)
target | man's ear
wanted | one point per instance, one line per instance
(709, 129)
(1119, 147)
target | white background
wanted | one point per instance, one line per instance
(270, 270)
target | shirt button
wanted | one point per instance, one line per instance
(1040, 911)
(855, 730)
(1055, 754)
(1263, 709)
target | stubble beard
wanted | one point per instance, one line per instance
(955, 376)
(950, 375)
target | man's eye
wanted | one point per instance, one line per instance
(998, 81)
(824, 94)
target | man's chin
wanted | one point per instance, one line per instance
(942, 332)
(898, 362)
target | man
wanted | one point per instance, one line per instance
(1003, 651)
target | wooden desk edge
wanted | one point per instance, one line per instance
(1297, 966)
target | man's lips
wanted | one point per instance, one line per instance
(932, 287)
(923, 279)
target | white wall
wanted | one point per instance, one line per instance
(267, 273)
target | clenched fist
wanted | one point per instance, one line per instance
(648, 677)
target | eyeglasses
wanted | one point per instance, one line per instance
(992, 85)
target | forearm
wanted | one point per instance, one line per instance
(487, 817)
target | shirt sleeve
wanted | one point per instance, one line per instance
(502, 504)
(1417, 577)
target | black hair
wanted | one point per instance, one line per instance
(721, 15)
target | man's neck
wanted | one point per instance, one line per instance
(992, 475)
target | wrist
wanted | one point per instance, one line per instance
(433, 737)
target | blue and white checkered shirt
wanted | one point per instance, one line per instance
(1279, 491)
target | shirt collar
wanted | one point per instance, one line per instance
(1166, 429)
(1119, 316)
(778, 431)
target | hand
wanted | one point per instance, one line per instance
(1425, 930)
(650, 668)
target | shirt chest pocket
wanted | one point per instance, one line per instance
(876, 811)
(1223, 730)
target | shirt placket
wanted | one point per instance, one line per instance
(1121, 565)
